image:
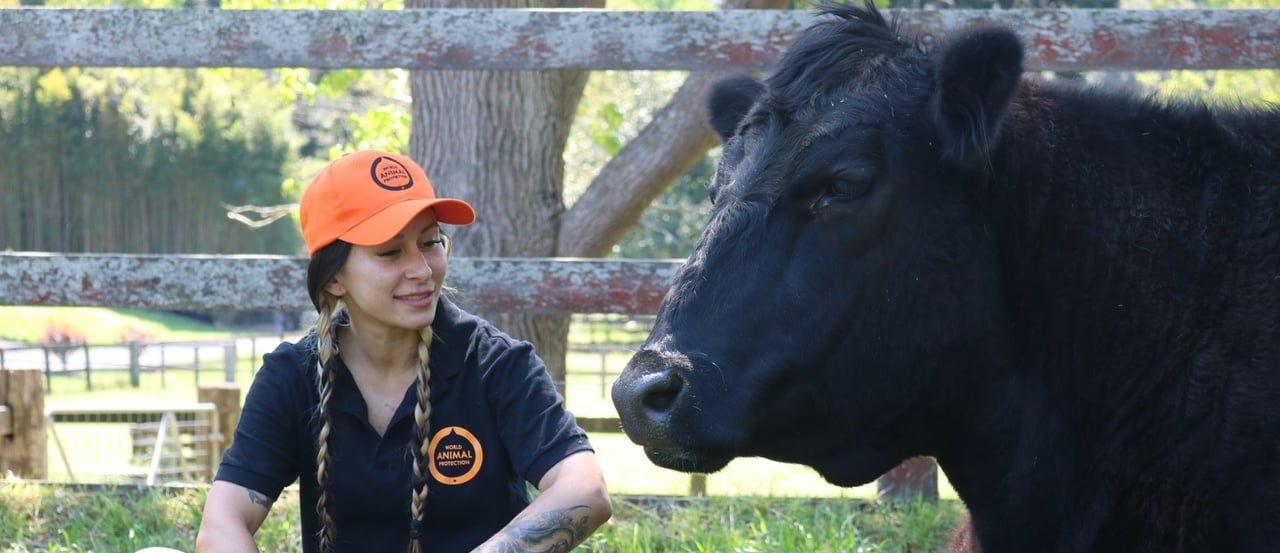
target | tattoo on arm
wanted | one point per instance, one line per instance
(554, 531)
(259, 499)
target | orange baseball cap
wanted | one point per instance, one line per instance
(367, 197)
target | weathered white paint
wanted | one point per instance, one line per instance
(273, 283)
(421, 38)
(598, 39)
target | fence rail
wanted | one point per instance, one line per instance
(277, 283)
(1060, 40)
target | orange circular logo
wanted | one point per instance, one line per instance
(390, 174)
(456, 456)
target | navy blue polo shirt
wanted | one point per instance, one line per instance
(497, 423)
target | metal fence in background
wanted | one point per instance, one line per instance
(145, 445)
(607, 337)
(140, 364)
(157, 438)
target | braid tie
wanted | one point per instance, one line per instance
(415, 529)
(422, 441)
(327, 350)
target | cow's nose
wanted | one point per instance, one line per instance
(645, 395)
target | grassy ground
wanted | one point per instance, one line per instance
(62, 519)
(30, 324)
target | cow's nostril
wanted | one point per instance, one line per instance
(661, 393)
(659, 401)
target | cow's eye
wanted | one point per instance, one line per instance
(847, 189)
(846, 186)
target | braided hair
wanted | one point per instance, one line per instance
(422, 442)
(321, 270)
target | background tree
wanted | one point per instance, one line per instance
(614, 108)
(137, 161)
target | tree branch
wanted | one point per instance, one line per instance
(618, 195)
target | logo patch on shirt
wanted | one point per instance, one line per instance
(456, 456)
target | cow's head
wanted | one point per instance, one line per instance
(845, 292)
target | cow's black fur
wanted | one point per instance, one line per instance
(1068, 296)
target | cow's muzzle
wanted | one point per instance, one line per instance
(656, 405)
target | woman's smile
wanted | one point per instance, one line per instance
(417, 300)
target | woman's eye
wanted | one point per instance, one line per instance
(389, 253)
(432, 243)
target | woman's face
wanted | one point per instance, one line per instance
(396, 284)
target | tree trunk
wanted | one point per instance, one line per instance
(497, 140)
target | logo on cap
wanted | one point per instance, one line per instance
(390, 174)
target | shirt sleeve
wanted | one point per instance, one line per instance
(264, 454)
(538, 430)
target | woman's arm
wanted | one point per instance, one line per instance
(572, 502)
(232, 515)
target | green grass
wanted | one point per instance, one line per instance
(101, 326)
(60, 519)
(769, 525)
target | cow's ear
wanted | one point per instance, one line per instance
(728, 102)
(976, 77)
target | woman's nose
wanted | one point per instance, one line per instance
(419, 266)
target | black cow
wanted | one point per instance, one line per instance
(1068, 296)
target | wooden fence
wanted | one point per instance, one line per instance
(1064, 40)
(1059, 40)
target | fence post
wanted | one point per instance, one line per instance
(915, 476)
(698, 484)
(226, 398)
(6, 417)
(48, 372)
(88, 381)
(604, 374)
(135, 364)
(23, 444)
(229, 361)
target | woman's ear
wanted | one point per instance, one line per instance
(335, 288)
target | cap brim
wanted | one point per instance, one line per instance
(386, 224)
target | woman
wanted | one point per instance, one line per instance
(408, 423)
